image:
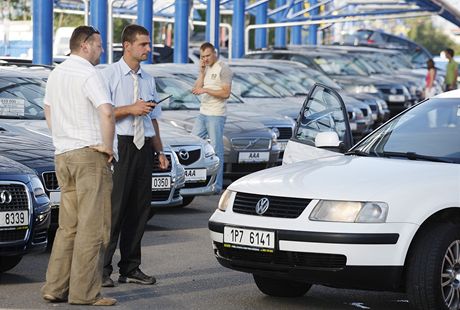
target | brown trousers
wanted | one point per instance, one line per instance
(75, 266)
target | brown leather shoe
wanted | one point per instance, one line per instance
(51, 298)
(105, 301)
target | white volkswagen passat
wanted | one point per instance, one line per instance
(384, 216)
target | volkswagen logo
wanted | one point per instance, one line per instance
(394, 91)
(5, 197)
(262, 206)
(183, 154)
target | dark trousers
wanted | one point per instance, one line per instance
(131, 198)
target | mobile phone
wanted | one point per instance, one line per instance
(153, 101)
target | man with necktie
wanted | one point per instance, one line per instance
(138, 137)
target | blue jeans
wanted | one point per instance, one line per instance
(212, 127)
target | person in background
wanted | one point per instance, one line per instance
(214, 83)
(450, 82)
(79, 114)
(430, 89)
(134, 95)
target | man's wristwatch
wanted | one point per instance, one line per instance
(160, 153)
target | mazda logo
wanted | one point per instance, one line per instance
(5, 197)
(183, 154)
(262, 206)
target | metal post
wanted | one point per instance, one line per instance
(43, 32)
(86, 4)
(144, 18)
(313, 29)
(296, 32)
(109, 49)
(261, 18)
(238, 27)
(212, 22)
(280, 32)
(181, 28)
(98, 19)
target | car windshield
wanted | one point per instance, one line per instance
(21, 98)
(339, 65)
(429, 131)
(182, 97)
(251, 88)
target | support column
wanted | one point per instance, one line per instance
(313, 29)
(181, 29)
(261, 18)
(296, 31)
(98, 19)
(212, 22)
(42, 32)
(280, 32)
(144, 18)
(238, 28)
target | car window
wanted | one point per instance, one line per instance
(182, 97)
(248, 88)
(21, 98)
(321, 113)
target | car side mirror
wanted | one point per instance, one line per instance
(329, 140)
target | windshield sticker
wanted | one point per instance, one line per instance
(12, 107)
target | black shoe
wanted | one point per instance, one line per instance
(107, 282)
(137, 276)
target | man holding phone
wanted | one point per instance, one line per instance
(214, 83)
(134, 95)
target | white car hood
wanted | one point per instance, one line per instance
(356, 179)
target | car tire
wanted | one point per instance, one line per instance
(280, 287)
(186, 201)
(429, 266)
(9, 262)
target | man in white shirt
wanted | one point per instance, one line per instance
(214, 83)
(80, 116)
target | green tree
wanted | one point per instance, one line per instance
(424, 33)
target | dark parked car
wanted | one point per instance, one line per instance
(24, 213)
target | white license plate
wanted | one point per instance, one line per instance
(282, 145)
(55, 198)
(396, 98)
(193, 175)
(260, 239)
(253, 157)
(353, 126)
(14, 218)
(159, 183)
(374, 117)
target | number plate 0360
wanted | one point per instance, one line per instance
(249, 237)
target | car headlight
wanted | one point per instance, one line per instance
(276, 131)
(223, 202)
(209, 150)
(350, 211)
(274, 137)
(37, 186)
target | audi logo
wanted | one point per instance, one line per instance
(262, 206)
(183, 154)
(5, 197)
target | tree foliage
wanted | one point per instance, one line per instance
(424, 33)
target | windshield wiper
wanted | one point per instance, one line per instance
(415, 156)
(358, 153)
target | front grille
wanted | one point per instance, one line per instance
(12, 235)
(50, 181)
(160, 195)
(19, 198)
(365, 112)
(247, 168)
(192, 156)
(285, 258)
(399, 91)
(198, 184)
(279, 206)
(156, 164)
(251, 144)
(285, 133)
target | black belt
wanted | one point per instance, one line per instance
(130, 138)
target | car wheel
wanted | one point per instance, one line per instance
(281, 288)
(9, 262)
(186, 201)
(433, 275)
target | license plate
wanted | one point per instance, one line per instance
(194, 175)
(282, 145)
(353, 126)
(55, 198)
(14, 218)
(159, 183)
(253, 157)
(396, 98)
(259, 239)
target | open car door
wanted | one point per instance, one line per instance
(322, 128)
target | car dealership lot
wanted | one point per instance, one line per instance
(177, 250)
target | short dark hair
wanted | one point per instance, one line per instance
(81, 34)
(449, 51)
(130, 32)
(430, 64)
(207, 45)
